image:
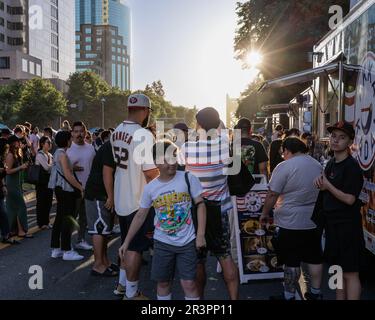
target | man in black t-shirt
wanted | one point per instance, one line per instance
(253, 154)
(99, 209)
(341, 185)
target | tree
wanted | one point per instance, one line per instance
(86, 89)
(9, 95)
(40, 102)
(284, 32)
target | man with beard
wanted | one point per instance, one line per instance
(132, 149)
(81, 155)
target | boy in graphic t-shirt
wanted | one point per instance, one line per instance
(175, 239)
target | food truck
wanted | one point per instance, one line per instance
(342, 86)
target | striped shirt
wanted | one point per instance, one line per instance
(208, 161)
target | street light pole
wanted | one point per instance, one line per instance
(102, 101)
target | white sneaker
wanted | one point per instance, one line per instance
(83, 245)
(72, 256)
(57, 253)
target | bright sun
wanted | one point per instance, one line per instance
(254, 59)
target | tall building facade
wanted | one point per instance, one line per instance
(103, 40)
(37, 39)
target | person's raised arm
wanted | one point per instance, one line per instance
(9, 161)
(67, 172)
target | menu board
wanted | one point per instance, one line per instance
(256, 255)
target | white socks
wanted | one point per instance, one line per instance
(168, 297)
(122, 277)
(131, 288)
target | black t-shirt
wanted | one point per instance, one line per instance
(95, 189)
(252, 153)
(347, 177)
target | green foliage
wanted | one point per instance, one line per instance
(9, 95)
(40, 102)
(284, 32)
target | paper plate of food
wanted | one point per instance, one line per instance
(250, 226)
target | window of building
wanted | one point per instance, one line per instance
(1, 5)
(113, 32)
(113, 49)
(99, 32)
(4, 63)
(85, 63)
(14, 41)
(54, 26)
(78, 37)
(113, 74)
(119, 82)
(99, 40)
(38, 70)
(14, 25)
(88, 48)
(113, 58)
(123, 78)
(119, 58)
(55, 66)
(78, 46)
(25, 64)
(119, 50)
(88, 39)
(54, 53)
(31, 67)
(54, 12)
(78, 54)
(2, 37)
(14, 10)
(91, 55)
(119, 42)
(88, 30)
(2, 22)
(98, 48)
(54, 39)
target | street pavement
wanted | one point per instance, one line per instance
(71, 280)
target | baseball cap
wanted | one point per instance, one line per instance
(243, 123)
(344, 127)
(139, 100)
(208, 118)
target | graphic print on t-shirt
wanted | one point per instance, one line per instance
(248, 157)
(172, 211)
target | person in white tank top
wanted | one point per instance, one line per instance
(132, 151)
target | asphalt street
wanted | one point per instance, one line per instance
(70, 280)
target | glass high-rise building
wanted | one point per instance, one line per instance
(37, 39)
(103, 40)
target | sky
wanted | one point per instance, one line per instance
(188, 45)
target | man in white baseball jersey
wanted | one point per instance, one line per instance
(132, 149)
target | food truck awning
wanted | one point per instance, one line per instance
(299, 77)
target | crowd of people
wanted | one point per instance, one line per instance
(172, 195)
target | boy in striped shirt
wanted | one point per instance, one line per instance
(208, 159)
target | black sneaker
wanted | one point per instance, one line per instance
(313, 296)
(281, 297)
